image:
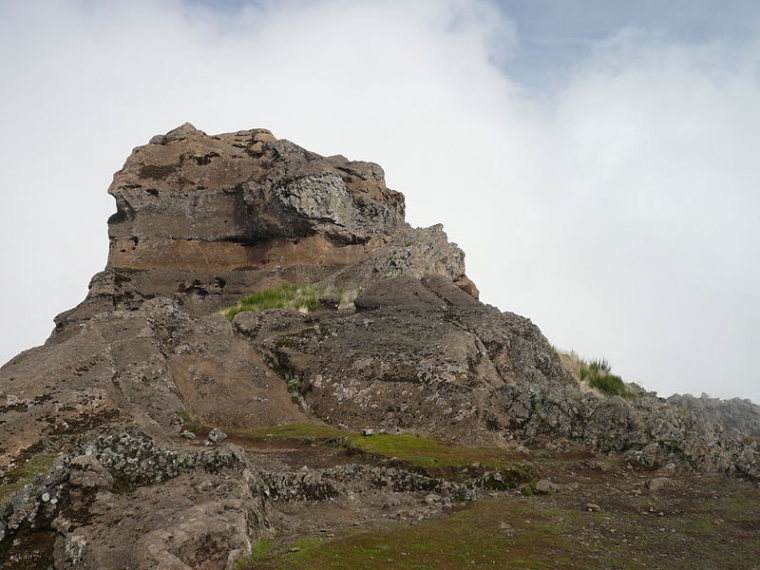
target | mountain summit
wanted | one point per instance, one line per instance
(259, 300)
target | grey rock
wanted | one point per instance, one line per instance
(735, 413)
(659, 483)
(216, 435)
(546, 486)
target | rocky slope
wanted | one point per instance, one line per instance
(736, 413)
(397, 342)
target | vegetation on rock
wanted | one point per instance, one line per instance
(412, 449)
(597, 374)
(303, 297)
(24, 473)
(544, 532)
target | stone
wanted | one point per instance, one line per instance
(546, 486)
(659, 483)
(216, 435)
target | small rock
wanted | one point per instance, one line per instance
(45, 497)
(368, 432)
(431, 499)
(592, 507)
(187, 434)
(216, 435)
(659, 483)
(506, 528)
(545, 486)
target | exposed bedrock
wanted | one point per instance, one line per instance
(395, 339)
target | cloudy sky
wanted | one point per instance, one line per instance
(596, 159)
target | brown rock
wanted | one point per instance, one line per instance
(399, 341)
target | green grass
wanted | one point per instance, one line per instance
(599, 375)
(523, 533)
(304, 297)
(300, 431)
(414, 450)
(186, 417)
(24, 473)
(595, 373)
(261, 550)
(471, 538)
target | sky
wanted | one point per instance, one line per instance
(595, 159)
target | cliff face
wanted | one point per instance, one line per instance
(244, 201)
(397, 341)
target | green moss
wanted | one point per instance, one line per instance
(261, 550)
(300, 431)
(304, 297)
(488, 535)
(25, 473)
(414, 450)
(426, 452)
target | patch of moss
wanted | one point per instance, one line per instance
(488, 535)
(525, 533)
(300, 431)
(415, 450)
(426, 452)
(304, 297)
(25, 473)
(261, 550)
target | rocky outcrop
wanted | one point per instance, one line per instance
(123, 501)
(206, 210)
(397, 341)
(736, 413)
(648, 431)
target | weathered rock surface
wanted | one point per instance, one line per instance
(736, 413)
(399, 343)
(213, 213)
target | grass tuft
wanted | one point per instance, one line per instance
(599, 375)
(304, 298)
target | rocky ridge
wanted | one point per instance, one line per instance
(399, 344)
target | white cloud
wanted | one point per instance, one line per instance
(618, 211)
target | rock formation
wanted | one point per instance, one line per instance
(399, 343)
